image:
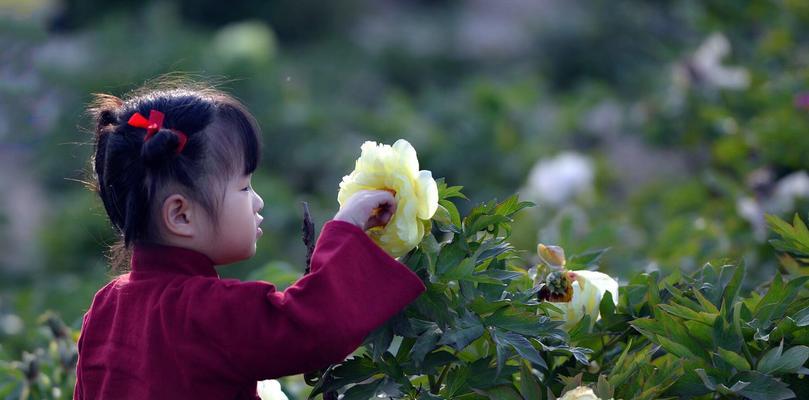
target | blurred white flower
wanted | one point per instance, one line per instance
(787, 190)
(559, 179)
(706, 65)
(749, 209)
(270, 389)
(588, 290)
(580, 393)
(780, 200)
(249, 42)
(11, 324)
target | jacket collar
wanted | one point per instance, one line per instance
(151, 257)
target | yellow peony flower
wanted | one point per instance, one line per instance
(396, 168)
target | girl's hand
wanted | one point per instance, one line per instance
(368, 208)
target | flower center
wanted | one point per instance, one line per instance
(558, 287)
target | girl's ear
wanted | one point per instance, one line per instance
(177, 214)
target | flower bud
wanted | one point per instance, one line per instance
(553, 256)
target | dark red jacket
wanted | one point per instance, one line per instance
(172, 329)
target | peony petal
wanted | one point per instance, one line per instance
(270, 389)
(407, 155)
(427, 193)
(603, 282)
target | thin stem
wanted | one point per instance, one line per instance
(440, 379)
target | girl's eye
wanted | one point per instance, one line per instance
(246, 189)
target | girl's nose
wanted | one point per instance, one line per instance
(259, 202)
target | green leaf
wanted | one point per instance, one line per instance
(503, 392)
(379, 340)
(519, 343)
(464, 331)
(450, 256)
(734, 359)
(516, 320)
(363, 391)
(431, 363)
(454, 215)
(491, 248)
(483, 222)
(801, 231)
(482, 375)
(481, 306)
(705, 303)
(446, 192)
(383, 388)
(588, 258)
(707, 380)
(687, 313)
(353, 370)
(433, 305)
(763, 387)
(603, 388)
(801, 318)
(530, 387)
(511, 206)
(462, 270)
(775, 362)
(495, 276)
(732, 288)
(442, 215)
(456, 381)
(676, 348)
(425, 344)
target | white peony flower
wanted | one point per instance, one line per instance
(580, 393)
(270, 389)
(787, 190)
(395, 168)
(560, 179)
(707, 64)
(588, 290)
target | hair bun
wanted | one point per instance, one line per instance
(160, 148)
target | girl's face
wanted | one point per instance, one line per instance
(238, 223)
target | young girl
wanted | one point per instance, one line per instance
(172, 168)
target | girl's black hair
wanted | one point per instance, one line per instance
(133, 176)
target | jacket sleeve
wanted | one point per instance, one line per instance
(353, 287)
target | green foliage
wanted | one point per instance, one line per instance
(793, 243)
(675, 155)
(477, 327)
(689, 336)
(49, 371)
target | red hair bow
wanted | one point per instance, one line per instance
(153, 125)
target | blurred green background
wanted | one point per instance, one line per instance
(663, 130)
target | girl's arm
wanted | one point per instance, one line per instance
(353, 287)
